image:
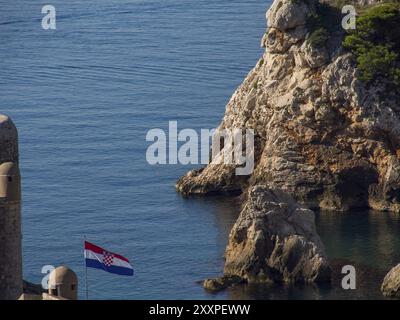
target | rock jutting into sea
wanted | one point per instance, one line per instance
(322, 134)
(324, 107)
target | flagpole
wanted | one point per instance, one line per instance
(86, 277)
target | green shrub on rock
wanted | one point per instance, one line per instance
(377, 61)
(322, 22)
(376, 43)
(318, 37)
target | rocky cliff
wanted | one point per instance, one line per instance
(323, 134)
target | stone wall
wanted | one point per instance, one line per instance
(10, 213)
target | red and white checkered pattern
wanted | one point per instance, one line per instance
(108, 258)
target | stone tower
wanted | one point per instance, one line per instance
(10, 212)
(63, 283)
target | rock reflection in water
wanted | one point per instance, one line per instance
(368, 287)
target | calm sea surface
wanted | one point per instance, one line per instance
(83, 98)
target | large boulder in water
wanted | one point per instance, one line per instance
(391, 284)
(275, 239)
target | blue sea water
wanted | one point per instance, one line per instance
(83, 97)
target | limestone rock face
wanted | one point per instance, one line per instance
(287, 14)
(274, 239)
(320, 134)
(391, 284)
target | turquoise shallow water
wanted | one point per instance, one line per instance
(83, 98)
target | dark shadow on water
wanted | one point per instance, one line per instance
(368, 287)
(365, 237)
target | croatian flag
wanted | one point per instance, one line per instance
(99, 258)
